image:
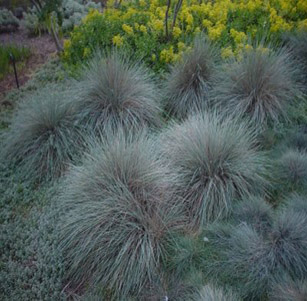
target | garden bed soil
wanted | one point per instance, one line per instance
(42, 49)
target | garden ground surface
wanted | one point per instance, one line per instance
(42, 49)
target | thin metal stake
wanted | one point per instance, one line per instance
(14, 66)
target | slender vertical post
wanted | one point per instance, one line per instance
(14, 66)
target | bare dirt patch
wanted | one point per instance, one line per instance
(42, 49)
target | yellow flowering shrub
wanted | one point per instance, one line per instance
(140, 27)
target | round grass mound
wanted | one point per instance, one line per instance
(43, 137)
(252, 261)
(115, 92)
(291, 168)
(214, 160)
(118, 215)
(260, 85)
(254, 211)
(212, 293)
(187, 87)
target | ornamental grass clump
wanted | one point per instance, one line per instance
(298, 45)
(118, 216)
(252, 260)
(297, 203)
(187, 86)
(215, 160)
(117, 92)
(289, 290)
(261, 84)
(254, 211)
(212, 293)
(291, 168)
(43, 137)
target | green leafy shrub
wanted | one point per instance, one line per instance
(115, 91)
(118, 216)
(31, 21)
(43, 138)
(141, 28)
(215, 160)
(189, 82)
(69, 14)
(261, 85)
(8, 22)
(20, 54)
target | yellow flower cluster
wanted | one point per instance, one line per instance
(118, 40)
(224, 21)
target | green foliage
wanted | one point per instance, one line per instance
(251, 260)
(291, 170)
(188, 85)
(115, 91)
(21, 54)
(261, 85)
(8, 21)
(215, 160)
(43, 137)
(31, 266)
(298, 44)
(211, 293)
(117, 221)
(255, 212)
(286, 289)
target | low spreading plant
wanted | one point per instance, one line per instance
(215, 160)
(8, 22)
(117, 92)
(43, 138)
(261, 85)
(118, 216)
(188, 84)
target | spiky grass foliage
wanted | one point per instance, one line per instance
(215, 160)
(251, 260)
(187, 86)
(298, 44)
(254, 211)
(43, 137)
(247, 261)
(297, 203)
(186, 254)
(292, 168)
(289, 290)
(298, 140)
(172, 287)
(261, 85)
(288, 242)
(211, 293)
(118, 92)
(118, 215)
